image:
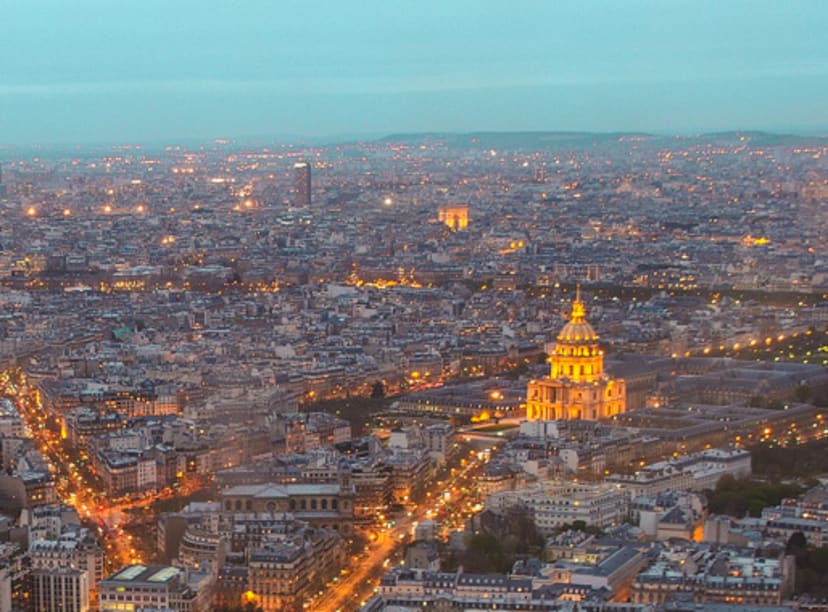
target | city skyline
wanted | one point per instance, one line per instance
(91, 74)
(390, 306)
(268, 376)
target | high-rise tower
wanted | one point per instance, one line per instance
(302, 184)
(577, 386)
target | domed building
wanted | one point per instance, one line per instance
(577, 386)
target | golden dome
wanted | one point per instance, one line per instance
(577, 330)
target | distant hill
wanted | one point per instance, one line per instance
(763, 139)
(586, 140)
(520, 140)
(533, 141)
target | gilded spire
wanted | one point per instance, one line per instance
(578, 312)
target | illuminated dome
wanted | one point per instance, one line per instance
(577, 330)
(576, 354)
(577, 387)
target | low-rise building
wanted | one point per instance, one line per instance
(326, 505)
(556, 504)
(75, 549)
(283, 574)
(693, 472)
(408, 590)
(808, 514)
(11, 423)
(59, 590)
(670, 515)
(155, 586)
(723, 575)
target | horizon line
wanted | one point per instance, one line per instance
(374, 137)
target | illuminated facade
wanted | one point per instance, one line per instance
(456, 216)
(577, 386)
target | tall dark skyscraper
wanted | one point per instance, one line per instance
(302, 178)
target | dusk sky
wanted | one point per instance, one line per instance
(160, 70)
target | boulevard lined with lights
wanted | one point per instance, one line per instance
(73, 478)
(451, 501)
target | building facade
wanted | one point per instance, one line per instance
(302, 185)
(156, 586)
(326, 505)
(62, 590)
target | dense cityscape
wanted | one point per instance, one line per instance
(515, 371)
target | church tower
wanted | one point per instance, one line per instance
(577, 387)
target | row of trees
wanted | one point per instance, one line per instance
(792, 461)
(811, 566)
(738, 497)
(499, 542)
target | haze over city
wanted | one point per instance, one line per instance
(98, 71)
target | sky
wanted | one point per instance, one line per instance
(118, 71)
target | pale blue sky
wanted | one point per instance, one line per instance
(128, 70)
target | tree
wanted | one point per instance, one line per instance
(522, 529)
(738, 497)
(580, 525)
(796, 543)
(378, 390)
(485, 555)
(803, 393)
(727, 483)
